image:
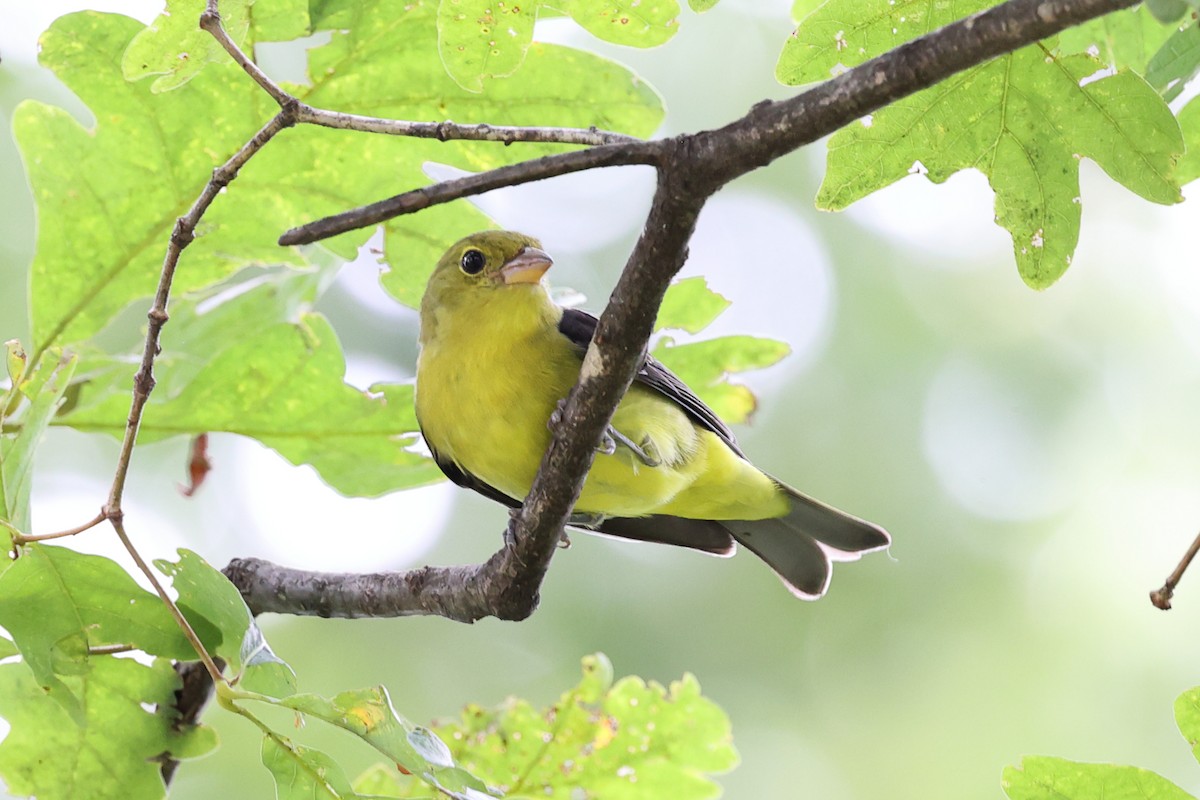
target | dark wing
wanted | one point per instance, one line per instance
(579, 326)
(468, 481)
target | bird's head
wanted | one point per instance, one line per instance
(473, 266)
(491, 259)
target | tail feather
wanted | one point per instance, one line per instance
(800, 545)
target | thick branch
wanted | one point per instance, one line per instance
(635, 152)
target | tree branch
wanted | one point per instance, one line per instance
(691, 168)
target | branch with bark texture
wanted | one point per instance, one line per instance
(691, 168)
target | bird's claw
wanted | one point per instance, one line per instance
(564, 541)
(646, 452)
(608, 441)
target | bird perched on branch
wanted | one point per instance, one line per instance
(498, 356)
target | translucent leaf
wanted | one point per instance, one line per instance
(629, 739)
(368, 714)
(285, 387)
(705, 366)
(1023, 119)
(55, 603)
(690, 305)
(1043, 778)
(113, 754)
(1189, 120)
(484, 39)
(302, 773)
(1176, 63)
(42, 391)
(174, 47)
(225, 625)
(701, 5)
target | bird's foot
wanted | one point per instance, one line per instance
(646, 452)
(564, 541)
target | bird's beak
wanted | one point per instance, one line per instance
(527, 266)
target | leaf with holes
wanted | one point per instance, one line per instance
(1024, 120)
(483, 39)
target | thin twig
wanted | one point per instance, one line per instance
(210, 21)
(447, 131)
(182, 235)
(110, 649)
(26, 538)
(214, 671)
(643, 153)
(1161, 598)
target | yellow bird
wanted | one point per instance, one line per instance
(498, 355)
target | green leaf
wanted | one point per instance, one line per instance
(42, 390)
(115, 191)
(1023, 119)
(113, 754)
(175, 48)
(599, 740)
(1125, 39)
(368, 714)
(705, 367)
(225, 625)
(1188, 168)
(485, 39)
(700, 6)
(1043, 778)
(57, 603)
(302, 773)
(284, 386)
(690, 305)
(1176, 63)
(1187, 717)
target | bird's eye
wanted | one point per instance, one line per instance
(472, 262)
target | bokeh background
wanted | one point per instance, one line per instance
(1035, 456)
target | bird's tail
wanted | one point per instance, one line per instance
(801, 545)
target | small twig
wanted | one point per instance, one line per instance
(210, 21)
(182, 235)
(110, 649)
(188, 631)
(644, 153)
(448, 131)
(1161, 598)
(25, 538)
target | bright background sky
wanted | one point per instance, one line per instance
(1033, 454)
